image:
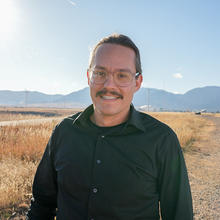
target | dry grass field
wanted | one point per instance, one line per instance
(22, 145)
(187, 126)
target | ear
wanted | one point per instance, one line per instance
(88, 79)
(138, 82)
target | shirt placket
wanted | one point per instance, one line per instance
(96, 188)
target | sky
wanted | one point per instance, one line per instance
(45, 44)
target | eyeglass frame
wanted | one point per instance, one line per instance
(136, 75)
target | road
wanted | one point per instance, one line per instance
(28, 121)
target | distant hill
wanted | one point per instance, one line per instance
(196, 99)
(21, 98)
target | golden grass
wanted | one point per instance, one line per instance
(21, 147)
(25, 141)
(187, 126)
(16, 178)
(12, 117)
(216, 114)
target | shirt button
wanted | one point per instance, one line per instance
(102, 136)
(95, 190)
(98, 161)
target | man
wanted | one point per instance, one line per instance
(111, 162)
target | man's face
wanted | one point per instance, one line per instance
(108, 98)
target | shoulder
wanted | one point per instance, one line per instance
(161, 134)
(66, 122)
(70, 119)
(61, 131)
(151, 123)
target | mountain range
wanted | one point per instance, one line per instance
(154, 99)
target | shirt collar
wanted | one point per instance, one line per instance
(134, 119)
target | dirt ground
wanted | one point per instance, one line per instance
(204, 172)
(203, 164)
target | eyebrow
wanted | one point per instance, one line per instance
(119, 70)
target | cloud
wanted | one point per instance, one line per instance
(178, 76)
(71, 2)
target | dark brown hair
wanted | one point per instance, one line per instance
(122, 40)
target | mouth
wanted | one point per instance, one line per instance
(109, 97)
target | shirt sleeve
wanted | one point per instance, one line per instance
(44, 201)
(174, 189)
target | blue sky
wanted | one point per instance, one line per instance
(45, 44)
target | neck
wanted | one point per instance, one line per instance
(108, 120)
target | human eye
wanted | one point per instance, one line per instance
(99, 73)
(123, 75)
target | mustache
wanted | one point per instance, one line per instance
(105, 91)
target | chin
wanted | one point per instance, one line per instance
(109, 111)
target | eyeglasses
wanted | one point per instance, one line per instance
(121, 78)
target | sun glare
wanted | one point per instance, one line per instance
(8, 18)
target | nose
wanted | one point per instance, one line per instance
(110, 83)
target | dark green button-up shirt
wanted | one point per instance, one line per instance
(115, 173)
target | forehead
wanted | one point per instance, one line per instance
(114, 56)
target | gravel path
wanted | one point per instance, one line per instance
(204, 173)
